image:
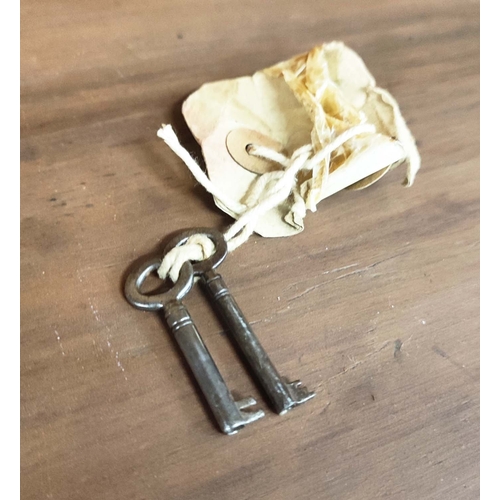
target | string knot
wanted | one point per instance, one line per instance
(197, 247)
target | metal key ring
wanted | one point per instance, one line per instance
(218, 240)
(157, 301)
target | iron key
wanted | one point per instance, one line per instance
(228, 413)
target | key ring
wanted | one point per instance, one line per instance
(203, 266)
(157, 301)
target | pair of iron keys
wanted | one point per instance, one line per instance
(230, 414)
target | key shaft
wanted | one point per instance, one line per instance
(283, 395)
(226, 410)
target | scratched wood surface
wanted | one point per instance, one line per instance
(375, 305)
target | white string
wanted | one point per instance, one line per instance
(270, 189)
(169, 136)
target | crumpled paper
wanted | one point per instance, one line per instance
(309, 99)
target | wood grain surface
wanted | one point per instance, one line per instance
(375, 305)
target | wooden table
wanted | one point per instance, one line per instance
(375, 305)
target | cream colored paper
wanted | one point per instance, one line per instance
(309, 99)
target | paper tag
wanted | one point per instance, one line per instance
(309, 99)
